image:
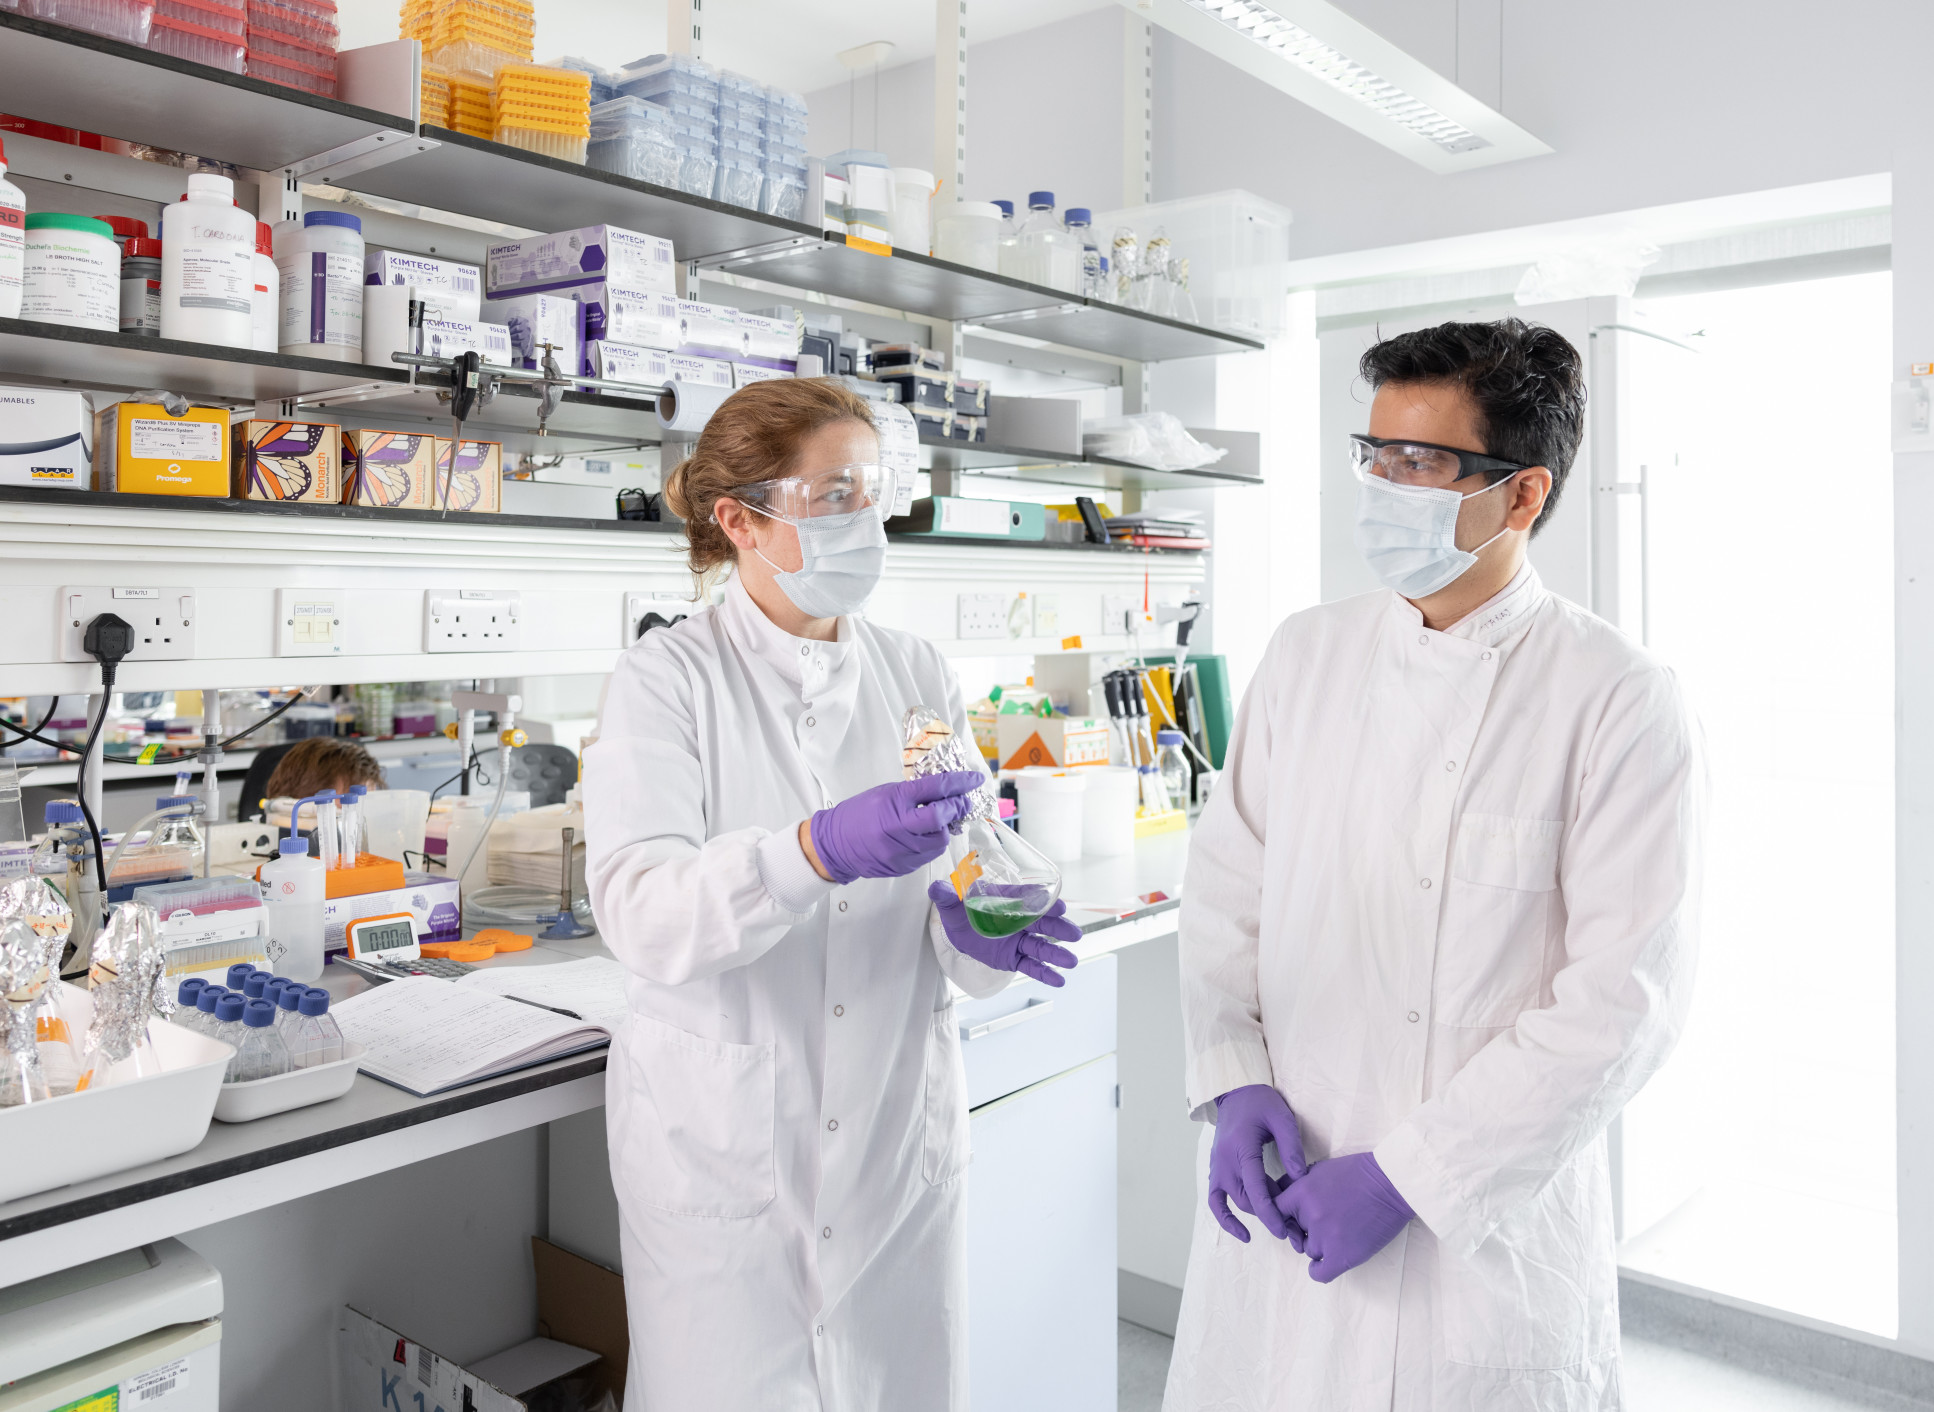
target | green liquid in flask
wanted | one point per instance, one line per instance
(1003, 916)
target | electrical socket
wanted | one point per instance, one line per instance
(163, 620)
(982, 616)
(310, 622)
(472, 620)
(665, 604)
(1116, 609)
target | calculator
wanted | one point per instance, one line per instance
(435, 967)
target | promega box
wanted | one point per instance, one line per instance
(288, 461)
(140, 449)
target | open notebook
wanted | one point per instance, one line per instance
(427, 1036)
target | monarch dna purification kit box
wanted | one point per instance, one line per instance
(299, 461)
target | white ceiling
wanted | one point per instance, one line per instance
(790, 43)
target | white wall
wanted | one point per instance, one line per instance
(1645, 102)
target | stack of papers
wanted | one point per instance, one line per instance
(1154, 529)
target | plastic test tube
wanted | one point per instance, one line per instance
(352, 826)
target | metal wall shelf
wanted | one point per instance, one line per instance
(96, 358)
(1051, 468)
(71, 78)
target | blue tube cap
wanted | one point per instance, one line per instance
(258, 1014)
(334, 218)
(230, 1007)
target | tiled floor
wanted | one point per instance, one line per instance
(1658, 1378)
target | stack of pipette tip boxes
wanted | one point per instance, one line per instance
(434, 107)
(474, 37)
(294, 42)
(208, 924)
(543, 110)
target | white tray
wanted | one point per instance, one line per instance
(244, 1103)
(116, 1125)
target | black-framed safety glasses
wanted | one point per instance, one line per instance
(1421, 463)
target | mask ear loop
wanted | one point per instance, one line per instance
(755, 548)
(1472, 552)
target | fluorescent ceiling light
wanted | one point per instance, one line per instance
(1313, 51)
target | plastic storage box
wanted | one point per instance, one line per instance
(209, 14)
(127, 20)
(635, 138)
(1237, 245)
(121, 1124)
(312, 24)
(204, 44)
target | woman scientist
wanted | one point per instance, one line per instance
(786, 1105)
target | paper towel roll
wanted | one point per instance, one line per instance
(386, 323)
(688, 406)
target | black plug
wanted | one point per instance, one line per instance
(108, 640)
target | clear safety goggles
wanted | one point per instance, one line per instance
(1420, 463)
(838, 491)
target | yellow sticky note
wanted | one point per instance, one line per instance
(1071, 644)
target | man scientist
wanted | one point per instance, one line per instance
(1437, 929)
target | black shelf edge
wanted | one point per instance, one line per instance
(74, 78)
(110, 360)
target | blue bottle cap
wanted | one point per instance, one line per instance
(1168, 737)
(289, 997)
(258, 1013)
(1078, 215)
(252, 984)
(315, 1001)
(1007, 208)
(293, 847)
(238, 973)
(1038, 200)
(356, 791)
(190, 992)
(334, 218)
(230, 1007)
(169, 801)
(210, 993)
(64, 811)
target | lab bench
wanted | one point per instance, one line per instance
(1041, 1195)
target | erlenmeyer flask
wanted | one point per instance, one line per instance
(1004, 880)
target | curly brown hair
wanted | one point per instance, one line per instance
(754, 436)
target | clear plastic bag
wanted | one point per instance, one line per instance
(1154, 439)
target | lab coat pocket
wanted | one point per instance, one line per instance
(699, 1122)
(1497, 913)
(948, 1145)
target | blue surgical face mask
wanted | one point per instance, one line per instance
(841, 558)
(1408, 534)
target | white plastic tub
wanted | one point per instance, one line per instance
(1108, 810)
(80, 1136)
(244, 1103)
(1051, 811)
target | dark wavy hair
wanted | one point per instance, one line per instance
(1527, 380)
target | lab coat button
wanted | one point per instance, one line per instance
(1450, 764)
(820, 1332)
(811, 722)
(1483, 656)
(1423, 883)
(839, 1009)
(805, 652)
(1423, 639)
(842, 906)
(1413, 1017)
(826, 1234)
(832, 1125)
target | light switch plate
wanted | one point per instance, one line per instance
(163, 620)
(982, 616)
(472, 620)
(310, 622)
(1047, 615)
(665, 604)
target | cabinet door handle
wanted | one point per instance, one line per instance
(1033, 1010)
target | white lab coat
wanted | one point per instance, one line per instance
(1444, 899)
(786, 1106)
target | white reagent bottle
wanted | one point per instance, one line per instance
(292, 890)
(13, 241)
(208, 266)
(322, 287)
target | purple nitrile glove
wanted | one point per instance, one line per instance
(1350, 1211)
(1247, 1119)
(1031, 950)
(892, 829)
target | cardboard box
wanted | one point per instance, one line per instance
(702, 372)
(431, 899)
(44, 433)
(537, 319)
(456, 288)
(767, 337)
(615, 313)
(140, 450)
(448, 338)
(745, 374)
(1058, 741)
(588, 253)
(475, 483)
(388, 468)
(710, 330)
(621, 362)
(288, 461)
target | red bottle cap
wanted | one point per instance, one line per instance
(141, 246)
(125, 227)
(264, 239)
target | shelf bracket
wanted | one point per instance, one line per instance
(755, 254)
(1021, 315)
(376, 150)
